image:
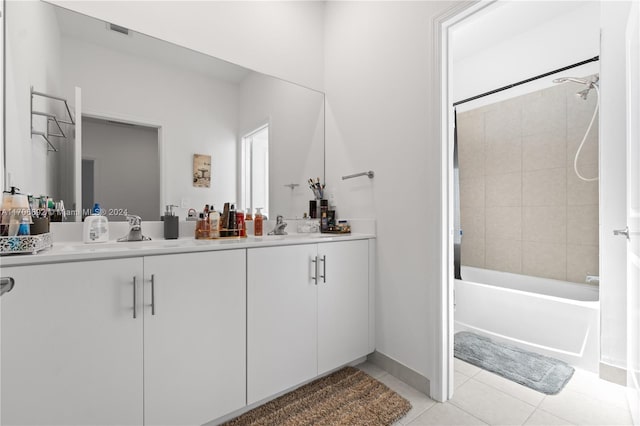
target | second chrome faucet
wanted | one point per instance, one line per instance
(279, 228)
(135, 230)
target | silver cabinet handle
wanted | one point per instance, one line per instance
(135, 298)
(315, 265)
(6, 285)
(324, 268)
(624, 232)
(153, 294)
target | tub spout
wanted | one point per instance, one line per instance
(593, 279)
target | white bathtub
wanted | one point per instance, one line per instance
(550, 317)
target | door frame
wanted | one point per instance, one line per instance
(442, 386)
(632, 107)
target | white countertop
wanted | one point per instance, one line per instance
(77, 251)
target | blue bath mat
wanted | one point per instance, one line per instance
(535, 371)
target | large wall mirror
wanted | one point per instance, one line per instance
(143, 109)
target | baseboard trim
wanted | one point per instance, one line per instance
(614, 374)
(401, 371)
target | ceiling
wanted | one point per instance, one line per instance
(503, 20)
(76, 25)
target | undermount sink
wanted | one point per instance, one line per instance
(129, 245)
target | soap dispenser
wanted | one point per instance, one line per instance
(96, 227)
(170, 220)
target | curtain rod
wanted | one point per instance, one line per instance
(568, 67)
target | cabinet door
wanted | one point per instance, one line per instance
(194, 363)
(281, 329)
(343, 303)
(71, 349)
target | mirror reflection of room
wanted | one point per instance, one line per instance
(194, 103)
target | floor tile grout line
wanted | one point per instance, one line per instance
(419, 414)
(510, 394)
(555, 415)
(529, 416)
(503, 392)
(468, 412)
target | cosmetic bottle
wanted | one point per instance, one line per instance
(232, 224)
(257, 223)
(170, 223)
(248, 216)
(240, 224)
(202, 227)
(324, 215)
(214, 223)
(224, 221)
(23, 229)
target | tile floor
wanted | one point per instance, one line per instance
(483, 398)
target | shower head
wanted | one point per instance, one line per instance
(591, 83)
(584, 93)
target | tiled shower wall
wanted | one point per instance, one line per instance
(523, 209)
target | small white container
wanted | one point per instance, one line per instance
(95, 229)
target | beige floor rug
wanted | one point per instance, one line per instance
(346, 397)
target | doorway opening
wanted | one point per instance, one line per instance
(501, 209)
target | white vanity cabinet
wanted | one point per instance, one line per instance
(343, 303)
(308, 312)
(73, 353)
(194, 336)
(71, 350)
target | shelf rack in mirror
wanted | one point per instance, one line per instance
(50, 118)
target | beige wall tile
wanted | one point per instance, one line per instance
(504, 223)
(472, 252)
(503, 156)
(544, 224)
(472, 192)
(544, 151)
(580, 192)
(503, 190)
(504, 123)
(589, 152)
(548, 260)
(579, 111)
(546, 113)
(582, 225)
(471, 162)
(503, 255)
(471, 144)
(472, 222)
(544, 187)
(581, 260)
(471, 126)
(523, 208)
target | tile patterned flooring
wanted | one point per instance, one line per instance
(483, 398)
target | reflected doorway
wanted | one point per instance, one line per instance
(124, 162)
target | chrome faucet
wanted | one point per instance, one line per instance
(279, 228)
(135, 230)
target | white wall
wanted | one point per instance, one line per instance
(296, 138)
(380, 117)
(613, 183)
(197, 115)
(30, 62)
(564, 39)
(280, 38)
